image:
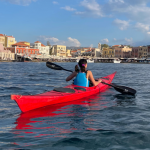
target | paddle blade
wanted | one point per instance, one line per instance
(124, 89)
(53, 66)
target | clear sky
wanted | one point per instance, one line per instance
(77, 22)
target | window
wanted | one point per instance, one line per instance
(17, 51)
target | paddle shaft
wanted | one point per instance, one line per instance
(108, 84)
(67, 70)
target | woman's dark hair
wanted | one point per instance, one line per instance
(82, 64)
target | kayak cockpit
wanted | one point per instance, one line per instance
(68, 90)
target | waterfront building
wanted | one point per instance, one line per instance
(68, 53)
(148, 55)
(23, 50)
(1, 46)
(78, 53)
(44, 50)
(7, 41)
(2, 39)
(6, 54)
(108, 52)
(83, 50)
(87, 52)
(143, 51)
(122, 51)
(135, 52)
(59, 50)
(96, 52)
(93, 52)
(73, 53)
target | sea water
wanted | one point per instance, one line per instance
(108, 120)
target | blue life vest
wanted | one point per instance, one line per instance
(81, 80)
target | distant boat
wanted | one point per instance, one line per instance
(117, 61)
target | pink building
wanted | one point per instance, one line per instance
(6, 54)
(1, 46)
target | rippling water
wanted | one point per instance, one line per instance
(108, 120)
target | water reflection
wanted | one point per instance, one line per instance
(124, 100)
(61, 119)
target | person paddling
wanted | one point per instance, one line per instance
(82, 76)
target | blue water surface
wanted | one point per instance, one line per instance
(108, 120)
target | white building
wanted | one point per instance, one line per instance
(45, 50)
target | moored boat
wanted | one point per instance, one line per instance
(90, 61)
(60, 95)
(117, 61)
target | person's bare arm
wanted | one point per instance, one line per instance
(71, 76)
(90, 76)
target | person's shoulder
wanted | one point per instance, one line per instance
(88, 71)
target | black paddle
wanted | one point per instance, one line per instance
(56, 67)
(121, 89)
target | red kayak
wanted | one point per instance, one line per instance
(60, 95)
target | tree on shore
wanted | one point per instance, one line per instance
(104, 45)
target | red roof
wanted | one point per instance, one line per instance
(88, 51)
(20, 44)
(87, 48)
(116, 45)
(23, 42)
(1, 35)
(37, 42)
(73, 51)
(42, 45)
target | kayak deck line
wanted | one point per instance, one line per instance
(30, 102)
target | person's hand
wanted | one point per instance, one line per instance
(76, 68)
(100, 80)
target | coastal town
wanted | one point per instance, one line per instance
(11, 50)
